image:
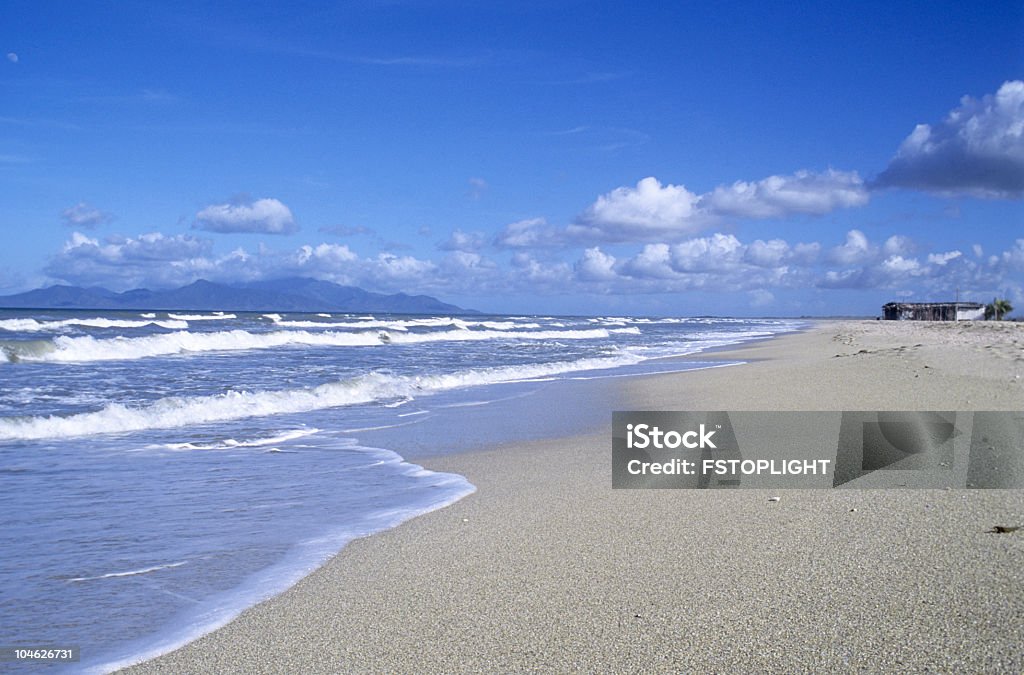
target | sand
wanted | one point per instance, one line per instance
(547, 569)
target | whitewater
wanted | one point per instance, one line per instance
(162, 471)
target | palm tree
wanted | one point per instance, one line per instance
(998, 308)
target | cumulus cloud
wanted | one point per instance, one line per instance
(719, 262)
(326, 257)
(978, 149)
(652, 211)
(265, 216)
(892, 265)
(595, 265)
(83, 215)
(157, 260)
(719, 251)
(777, 196)
(723, 263)
(898, 244)
(463, 261)
(340, 264)
(1014, 257)
(391, 267)
(767, 253)
(897, 264)
(806, 253)
(636, 213)
(943, 258)
(126, 262)
(856, 249)
(653, 262)
(530, 273)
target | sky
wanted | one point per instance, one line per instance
(564, 156)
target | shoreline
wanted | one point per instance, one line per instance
(545, 567)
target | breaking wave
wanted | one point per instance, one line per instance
(88, 348)
(216, 316)
(177, 411)
(230, 443)
(402, 324)
(31, 325)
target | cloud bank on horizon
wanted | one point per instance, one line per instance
(617, 220)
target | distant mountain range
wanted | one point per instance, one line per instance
(295, 294)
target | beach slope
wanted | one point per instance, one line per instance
(546, 568)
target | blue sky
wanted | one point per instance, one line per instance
(743, 158)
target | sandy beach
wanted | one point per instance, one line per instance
(547, 569)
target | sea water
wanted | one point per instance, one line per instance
(162, 471)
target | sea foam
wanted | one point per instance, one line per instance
(181, 411)
(216, 316)
(32, 325)
(88, 348)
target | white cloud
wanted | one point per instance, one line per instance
(158, 261)
(763, 269)
(978, 149)
(529, 233)
(468, 271)
(653, 262)
(461, 261)
(85, 215)
(1014, 257)
(943, 258)
(531, 274)
(767, 253)
(389, 267)
(338, 263)
(266, 216)
(856, 249)
(842, 278)
(717, 252)
(595, 265)
(721, 262)
(127, 262)
(652, 211)
(898, 244)
(897, 264)
(778, 196)
(806, 253)
(329, 255)
(649, 209)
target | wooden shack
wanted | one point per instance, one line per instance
(933, 311)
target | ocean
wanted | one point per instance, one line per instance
(162, 471)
